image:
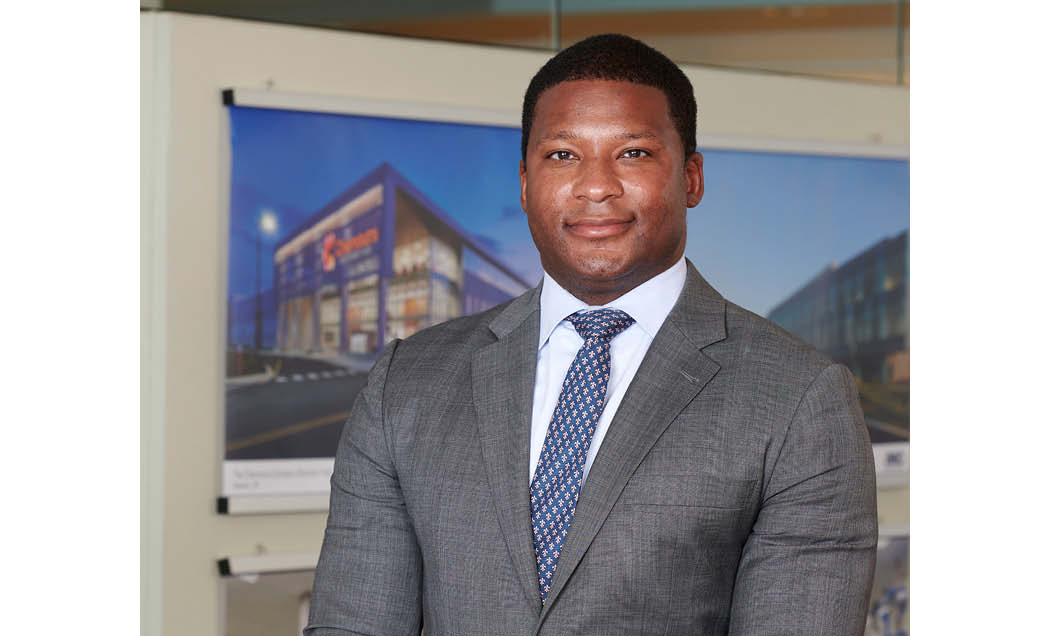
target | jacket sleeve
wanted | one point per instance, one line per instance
(368, 578)
(807, 567)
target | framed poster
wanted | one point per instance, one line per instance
(347, 231)
(819, 244)
(353, 222)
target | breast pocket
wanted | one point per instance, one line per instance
(700, 490)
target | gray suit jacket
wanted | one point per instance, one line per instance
(734, 492)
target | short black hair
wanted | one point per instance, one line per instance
(617, 58)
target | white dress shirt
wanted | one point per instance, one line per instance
(648, 303)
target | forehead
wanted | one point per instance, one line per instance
(602, 104)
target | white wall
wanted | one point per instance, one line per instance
(152, 128)
(186, 62)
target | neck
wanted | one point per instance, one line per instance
(597, 297)
(604, 291)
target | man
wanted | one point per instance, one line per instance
(618, 451)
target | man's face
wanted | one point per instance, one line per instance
(605, 186)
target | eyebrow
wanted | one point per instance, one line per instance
(645, 134)
(560, 135)
(568, 135)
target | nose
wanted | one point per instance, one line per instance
(597, 180)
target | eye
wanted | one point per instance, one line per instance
(561, 155)
(635, 153)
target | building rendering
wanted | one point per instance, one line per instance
(378, 262)
(857, 313)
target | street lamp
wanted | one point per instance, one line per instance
(267, 225)
(268, 222)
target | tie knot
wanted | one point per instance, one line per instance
(605, 324)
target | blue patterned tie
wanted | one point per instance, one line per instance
(559, 473)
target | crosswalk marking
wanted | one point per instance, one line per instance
(312, 375)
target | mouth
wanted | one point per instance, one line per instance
(599, 227)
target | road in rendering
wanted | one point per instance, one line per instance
(295, 415)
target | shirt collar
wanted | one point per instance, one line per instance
(648, 303)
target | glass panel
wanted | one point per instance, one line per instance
(526, 23)
(846, 39)
(841, 39)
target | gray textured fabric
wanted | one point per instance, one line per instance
(733, 494)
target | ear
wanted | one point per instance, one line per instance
(694, 179)
(521, 176)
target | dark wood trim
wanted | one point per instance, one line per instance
(499, 28)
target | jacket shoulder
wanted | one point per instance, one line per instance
(445, 348)
(461, 330)
(760, 344)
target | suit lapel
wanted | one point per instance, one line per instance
(672, 373)
(504, 374)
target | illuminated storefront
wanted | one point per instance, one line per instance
(379, 262)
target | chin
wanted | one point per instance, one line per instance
(599, 269)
